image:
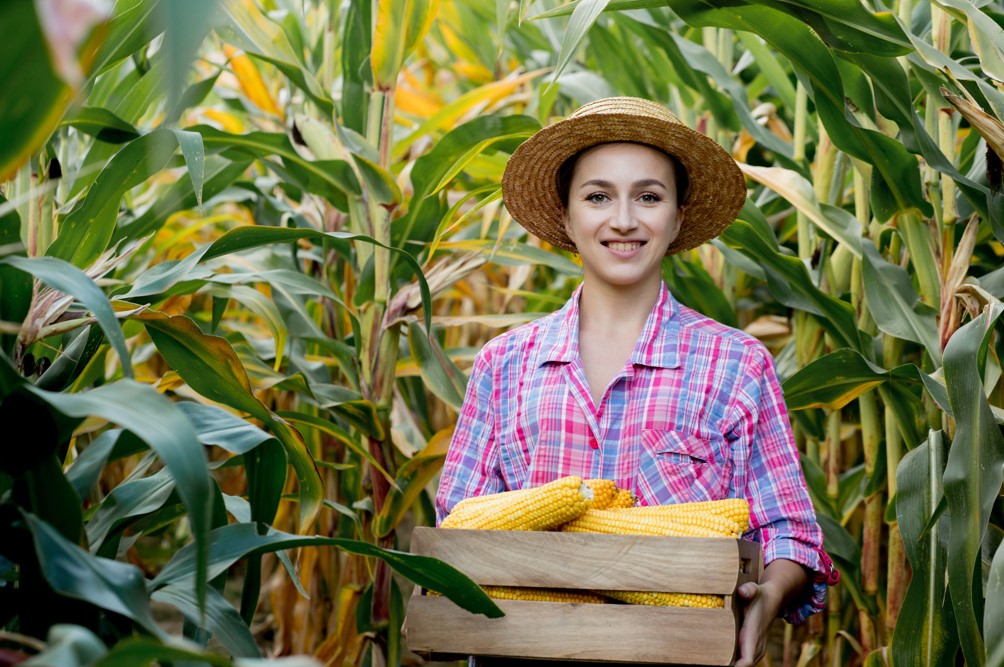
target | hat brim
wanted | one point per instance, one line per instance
(529, 184)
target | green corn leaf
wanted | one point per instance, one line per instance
(66, 278)
(347, 439)
(102, 124)
(245, 238)
(993, 618)
(130, 499)
(151, 417)
(34, 96)
(925, 631)
(229, 544)
(209, 365)
(220, 619)
(584, 15)
(842, 24)
(895, 305)
(974, 471)
(254, 33)
(441, 376)
(896, 168)
(86, 232)
(411, 480)
(195, 157)
(836, 379)
(216, 426)
(108, 584)
(789, 281)
(329, 178)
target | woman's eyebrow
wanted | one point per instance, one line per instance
(643, 183)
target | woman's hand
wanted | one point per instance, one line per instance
(781, 582)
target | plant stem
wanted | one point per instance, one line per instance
(916, 236)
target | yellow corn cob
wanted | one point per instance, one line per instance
(624, 498)
(604, 492)
(629, 522)
(735, 509)
(480, 502)
(667, 599)
(543, 594)
(539, 594)
(542, 508)
(686, 517)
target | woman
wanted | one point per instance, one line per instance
(623, 382)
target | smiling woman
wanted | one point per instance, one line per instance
(622, 214)
(624, 383)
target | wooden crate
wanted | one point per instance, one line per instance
(598, 633)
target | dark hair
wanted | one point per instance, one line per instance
(563, 178)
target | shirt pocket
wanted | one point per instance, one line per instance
(678, 467)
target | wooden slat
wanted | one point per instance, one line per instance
(578, 560)
(561, 631)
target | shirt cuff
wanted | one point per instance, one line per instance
(822, 574)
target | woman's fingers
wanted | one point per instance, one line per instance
(749, 634)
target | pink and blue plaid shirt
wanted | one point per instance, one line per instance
(695, 414)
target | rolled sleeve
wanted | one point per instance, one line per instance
(782, 517)
(472, 460)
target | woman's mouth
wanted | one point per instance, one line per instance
(624, 246)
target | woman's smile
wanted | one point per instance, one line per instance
(622, 213)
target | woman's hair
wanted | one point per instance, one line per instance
(564, 176)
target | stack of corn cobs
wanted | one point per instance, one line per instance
(574, 505)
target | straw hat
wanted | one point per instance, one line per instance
(529, 185)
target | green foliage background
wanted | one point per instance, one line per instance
(247, 250)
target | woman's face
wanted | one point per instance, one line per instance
(622, 213)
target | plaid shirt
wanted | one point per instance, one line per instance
(696, 414)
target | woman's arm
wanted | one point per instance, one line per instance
(472, 466)
(782, 583)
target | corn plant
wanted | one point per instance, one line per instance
(171, 358)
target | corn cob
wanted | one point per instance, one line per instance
(735, 509)
(605, 495)
(543, 594)
(630, 522)
(539, 594)
(476, 502)
(542, 508)
(667, 599)
(604, 492)
(625, 498)
(685, 516)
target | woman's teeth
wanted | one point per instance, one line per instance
(624, 247)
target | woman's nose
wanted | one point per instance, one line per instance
(623, 218)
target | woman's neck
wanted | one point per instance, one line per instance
(603, 309)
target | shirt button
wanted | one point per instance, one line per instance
(592, 442)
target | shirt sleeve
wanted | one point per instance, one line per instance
(472, 466)
(781, 513)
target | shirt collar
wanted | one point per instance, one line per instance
(658, 344)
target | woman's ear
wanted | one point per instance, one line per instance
(567, 225)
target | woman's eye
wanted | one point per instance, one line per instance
(649, 198)
(597, 198)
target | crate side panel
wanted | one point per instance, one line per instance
(562, 631)
(578, 560)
